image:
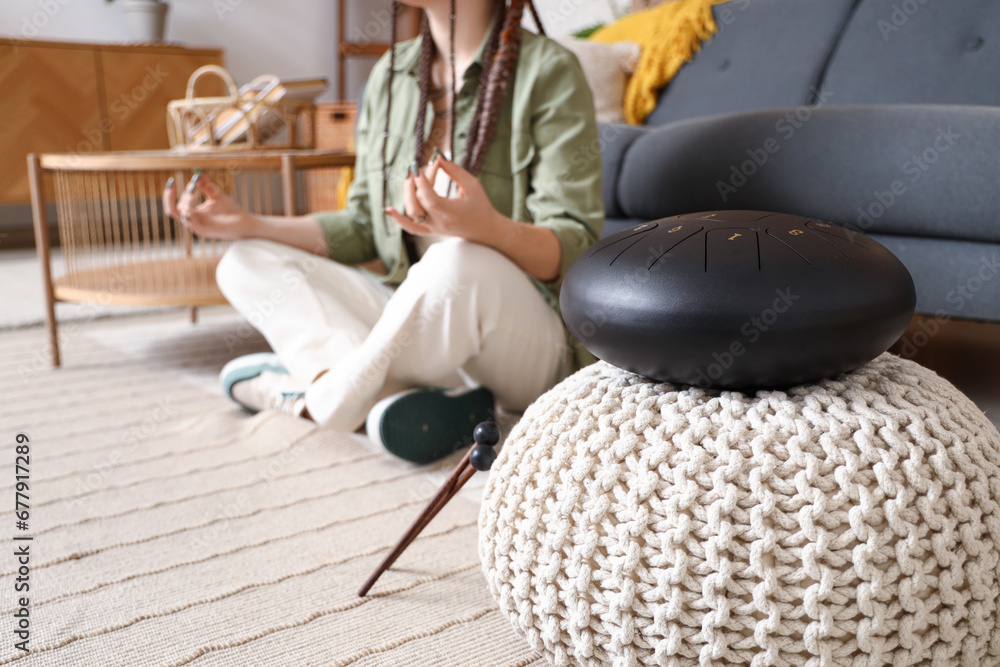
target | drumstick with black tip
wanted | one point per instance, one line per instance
(479, 457)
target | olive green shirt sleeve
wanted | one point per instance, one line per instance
(348, 232)
(565, 188)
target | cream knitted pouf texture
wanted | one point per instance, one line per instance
(850, 522)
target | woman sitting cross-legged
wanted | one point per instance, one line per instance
(463, 311)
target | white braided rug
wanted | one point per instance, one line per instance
(172, 529)
(851, 523)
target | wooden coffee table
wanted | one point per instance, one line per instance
(118, 245)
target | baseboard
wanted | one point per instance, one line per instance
(17, 228)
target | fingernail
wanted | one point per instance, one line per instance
(194, 181)
(414, 168)
(435, 154)
(170, 183)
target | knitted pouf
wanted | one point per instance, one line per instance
(851, 522)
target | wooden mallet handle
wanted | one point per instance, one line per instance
(479, 457)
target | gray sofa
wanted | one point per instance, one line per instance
(881, 115)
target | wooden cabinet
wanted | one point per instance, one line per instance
(51, 100)
(63, 97)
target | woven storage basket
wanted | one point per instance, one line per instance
(252, 118)
(334, 131)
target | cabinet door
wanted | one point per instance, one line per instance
(49, 105)
(138, 85)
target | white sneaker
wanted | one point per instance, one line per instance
(259, 382)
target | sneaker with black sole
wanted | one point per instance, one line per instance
(427, 424)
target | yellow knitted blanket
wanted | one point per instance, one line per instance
(669, 34)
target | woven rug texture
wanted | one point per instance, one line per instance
(170, 528)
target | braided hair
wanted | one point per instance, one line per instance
(499, 59)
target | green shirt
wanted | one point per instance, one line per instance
(543, 165)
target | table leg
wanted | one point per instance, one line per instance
(288, 183)
(43, 248)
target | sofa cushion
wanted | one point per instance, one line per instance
(923, 170)
(766, 53)
(918, 51)
(606, 68)
(952, 278)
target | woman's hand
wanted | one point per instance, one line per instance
(469, 214)
(218, 216)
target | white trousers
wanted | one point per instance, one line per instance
(464, 314)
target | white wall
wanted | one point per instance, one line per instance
(564, 17)
(288, 38)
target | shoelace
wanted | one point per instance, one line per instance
(291, 402)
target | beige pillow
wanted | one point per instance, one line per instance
(606, 68)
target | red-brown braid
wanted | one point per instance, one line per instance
(500, 7)
(393, 12)
(496, 86)
(499, 60)
(424, 79)
(453, 85)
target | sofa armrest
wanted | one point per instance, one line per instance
(615, 139)
(919, 170)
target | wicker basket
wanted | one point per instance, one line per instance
(334, 131)
(261, 115)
